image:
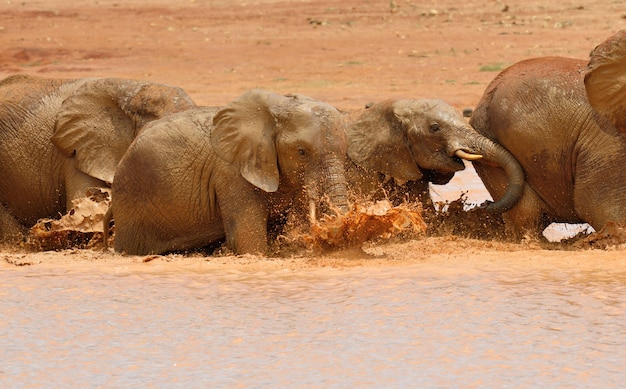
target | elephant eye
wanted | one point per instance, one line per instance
(435, 127)
(302, 153)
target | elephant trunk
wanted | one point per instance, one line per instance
(493, 153)
(333, 187)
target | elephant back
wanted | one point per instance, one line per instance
(172, 155)
(27, 91)
(23, 95)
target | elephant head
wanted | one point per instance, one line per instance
(426, 140)
(605, 79)
(290, 141)
(97, 123)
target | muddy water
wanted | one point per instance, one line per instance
(414, 326)
(474, 324)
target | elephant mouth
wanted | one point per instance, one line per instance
(459, 156)
(457, 161)
(437, 177)
(455, 164)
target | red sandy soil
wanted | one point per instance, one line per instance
(347, 53)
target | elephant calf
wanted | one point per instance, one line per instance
(417, 142)
(60, 137)
(206, 174)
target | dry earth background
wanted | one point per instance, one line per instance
(347, 53)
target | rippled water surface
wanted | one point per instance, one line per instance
(416, 326)
(421, 325)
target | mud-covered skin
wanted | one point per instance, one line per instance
(538, 110)
(59, 137)
(410, 143)
(208, 174)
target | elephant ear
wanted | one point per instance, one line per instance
(377, 141)
(243, 135)
(98, 122)
(605, 80)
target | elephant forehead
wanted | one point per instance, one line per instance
(428, 109)
(447, 115)
(315, 137)
(317, 111)
(314, 132)
(319, 116)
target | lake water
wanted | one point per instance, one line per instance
(422, 325)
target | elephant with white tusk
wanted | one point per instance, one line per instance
(60, 137)
(417, 142)
(206, 174)
(572, 154)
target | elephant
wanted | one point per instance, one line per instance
(208, 174)
(61, 136)
(416, 142)
(572, 156)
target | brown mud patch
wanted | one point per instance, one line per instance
(81, 227)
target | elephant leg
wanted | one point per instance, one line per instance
(245, 216)
(76, 185)
(598, 202)
(10, 229)
(527, 218)
(246, 231)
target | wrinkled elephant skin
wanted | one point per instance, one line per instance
(213, 173)
(60, 137)
(416, 142)
(572, 157)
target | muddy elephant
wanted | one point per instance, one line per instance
(572, 157)
(60, 137)
(416, 142)
(207, 174)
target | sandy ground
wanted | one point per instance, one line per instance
(347, 53)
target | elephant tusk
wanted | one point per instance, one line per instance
(312, 216)
(468, 156)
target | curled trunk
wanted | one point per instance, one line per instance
(493, 153)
